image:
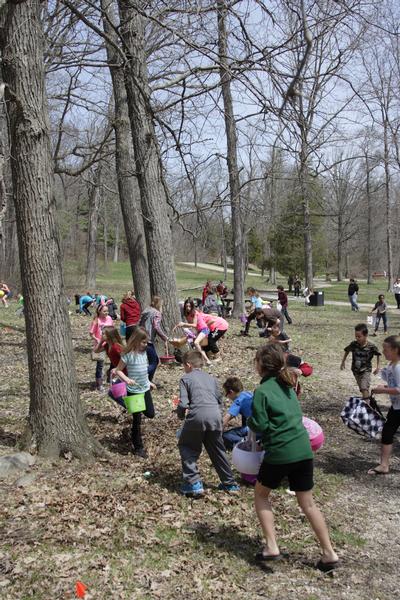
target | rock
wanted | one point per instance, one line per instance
(15, 462)
(25, 480)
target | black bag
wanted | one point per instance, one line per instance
(365, 419)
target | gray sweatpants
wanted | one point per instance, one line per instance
(190, 446)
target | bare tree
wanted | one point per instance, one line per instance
(56, 418)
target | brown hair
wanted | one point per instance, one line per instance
(233, 384)
(189, 302)
(394, 342)
(271, 361)
(156, 302)
(139, 334)
(112, 335)
(193, 358)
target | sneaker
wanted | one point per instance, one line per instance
(244, 333)
(229, 487)
(192, 489)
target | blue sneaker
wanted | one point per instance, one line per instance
(229, 487)
(192, 489)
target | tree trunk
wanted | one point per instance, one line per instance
(149, 170)
(129, 193)
(303, 176)
(339, 248)
(369, 222)
(195, 251)
(386, 159)
(224, 261)
(56, 418)
(93, 220)
(234, 181)
(116, 243)
(105, 236)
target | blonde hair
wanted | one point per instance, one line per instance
(156, 302)
(139, 334)
(271, 361)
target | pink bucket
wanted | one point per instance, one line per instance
(118, 389)
(251, 479)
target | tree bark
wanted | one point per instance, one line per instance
(389, 248)
(129, 193)
(56, 418)
(116, 243)
(303, 177)
(369, 221)
(93, 220)
(339, 248)
(234, 181)
(149, 171)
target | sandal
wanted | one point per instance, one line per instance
(261, 557)
(326, 567)
(377, 471)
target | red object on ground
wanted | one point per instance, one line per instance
(80, 589)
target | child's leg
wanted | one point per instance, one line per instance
(136, 432)
(149, 412)
(99, 374)
(216, 451)
(190, 445)
(202, 338)
(266, 518)
(233, 436)
(389, 429)
(152, 357)
(377, 321)
(250, 318)
(317, 522)
(384, 319)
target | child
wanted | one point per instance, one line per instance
(134, 360)
(218, 327)
(85, 302)
(241, 405)
(129, 313)
(111, 342)
(200, 405)
(390, 374)
(101, 320)
(6, 293)
(381, 308)
(284, 301)
(277, 415)
(195, 320)
(211, 302)
(362, 352)
(151, 322)
(256, 305)
(277, 336)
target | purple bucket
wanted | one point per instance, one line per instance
(118, 389)
(251, 479)
(243, 319)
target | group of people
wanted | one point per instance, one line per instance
(363, 352)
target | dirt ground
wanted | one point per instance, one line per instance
(120, 525)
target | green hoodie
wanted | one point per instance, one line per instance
(277, 415)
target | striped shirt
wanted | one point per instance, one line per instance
(136, 366)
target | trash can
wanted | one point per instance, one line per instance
(317, 299)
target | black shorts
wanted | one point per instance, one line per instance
(299, 474)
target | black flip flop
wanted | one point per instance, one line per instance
(327, 567)
(260, 557)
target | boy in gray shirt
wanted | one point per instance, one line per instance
(200, 405)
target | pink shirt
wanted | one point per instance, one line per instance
(98, 325)
(214, 322)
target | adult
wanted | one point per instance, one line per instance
(151, 322)
(297, 286)
(396, 291)
(352, 293)
(130, 313)
(85, 302)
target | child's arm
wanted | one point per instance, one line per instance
(226, 419)
(119, 371)
(183, 400)
(343, 363)
(376, 371)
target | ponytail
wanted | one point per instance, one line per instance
(271, 361)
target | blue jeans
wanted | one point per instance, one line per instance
(353, 302)
(99, 369)
(152, 357)
(378, 320)
(233, 436)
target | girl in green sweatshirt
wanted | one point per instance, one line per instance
(277, 416)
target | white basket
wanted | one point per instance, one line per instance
(245, 460)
